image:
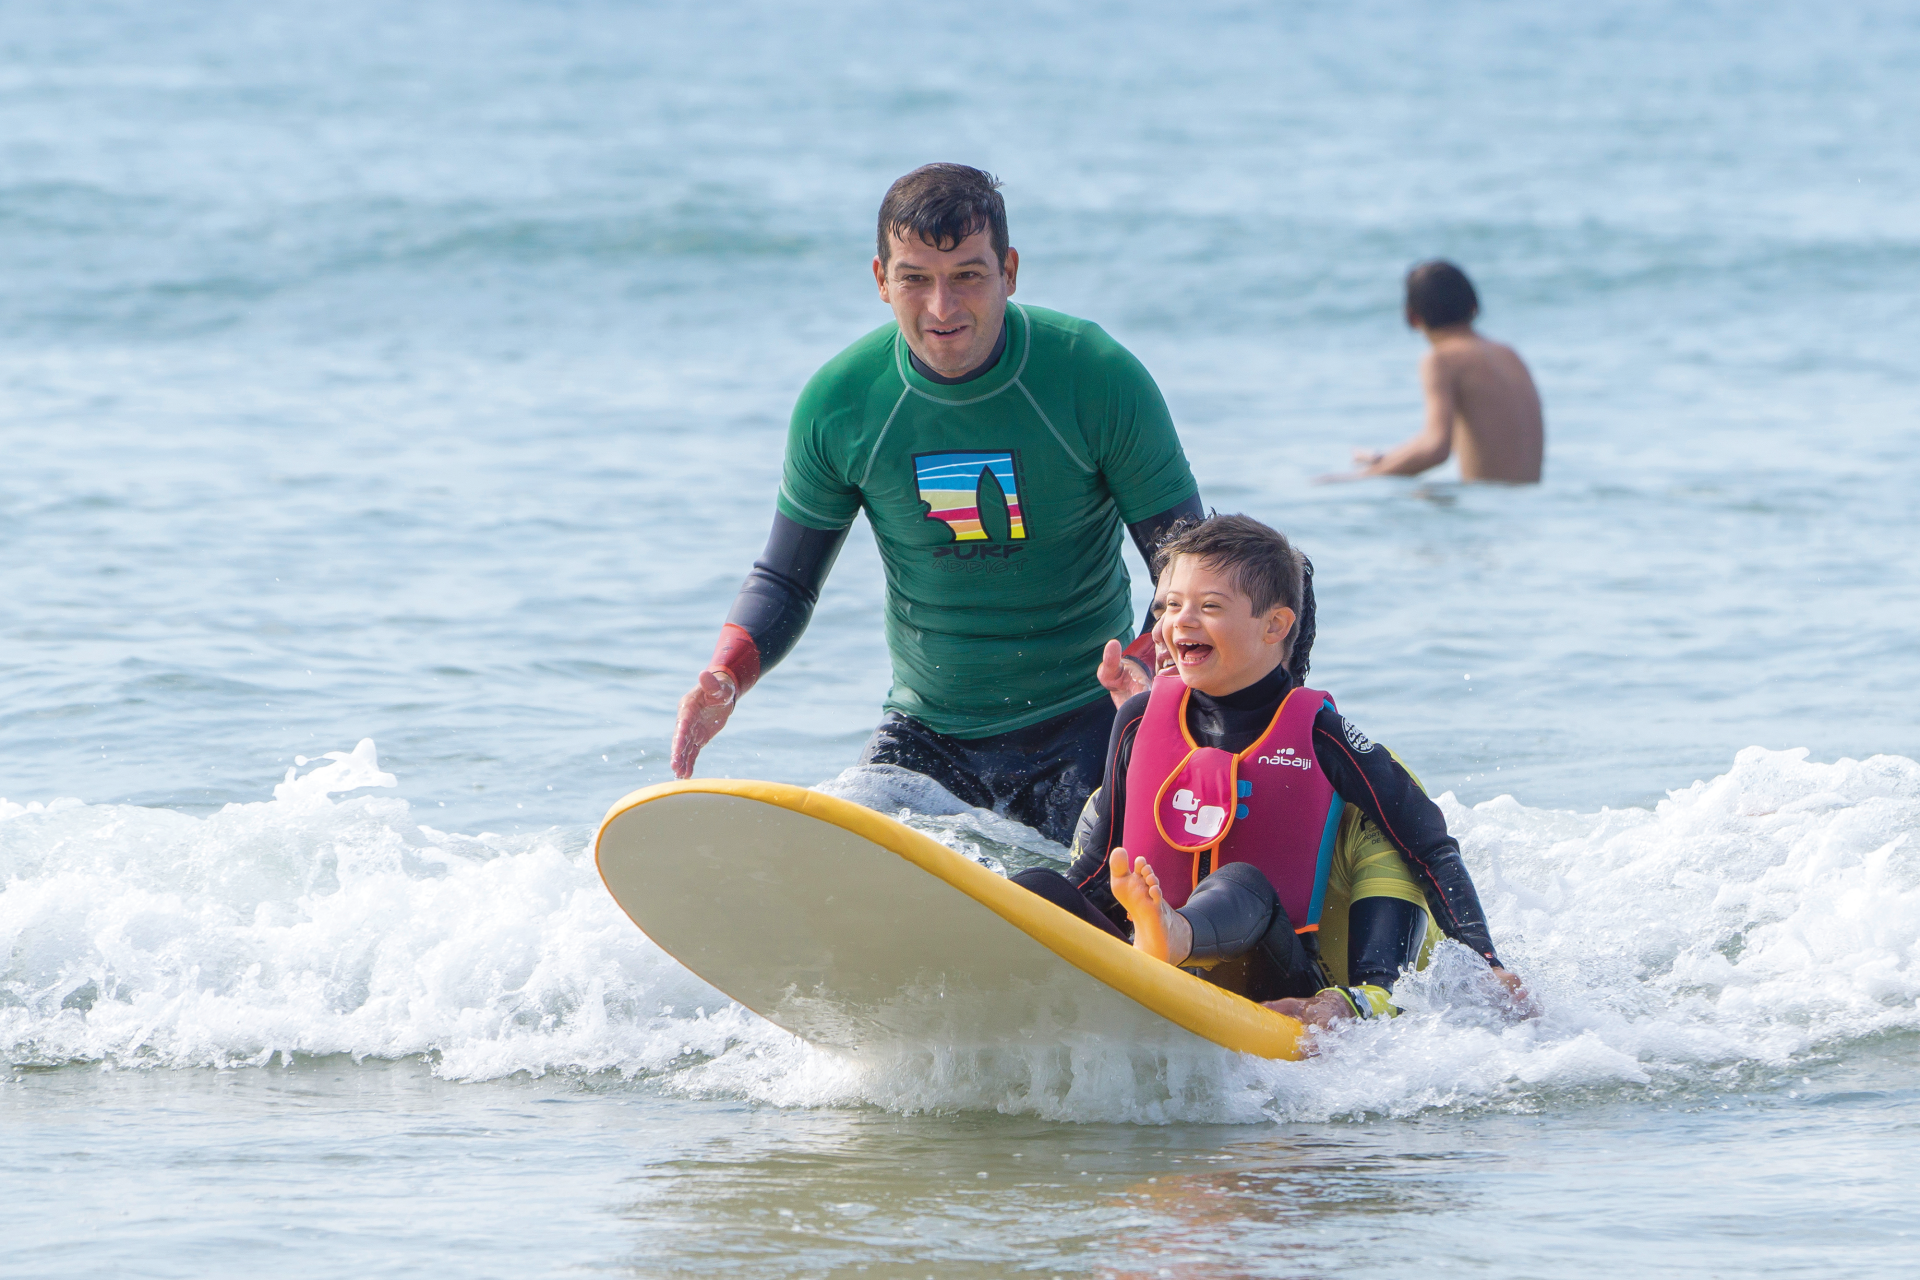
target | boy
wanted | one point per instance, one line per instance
(1244, 826)
(1474, 386)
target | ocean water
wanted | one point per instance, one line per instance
(391, 399)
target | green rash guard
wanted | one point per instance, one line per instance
(998, 504)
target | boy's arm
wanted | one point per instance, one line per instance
(1372, 780)
(1430, 447)
(1104, 816)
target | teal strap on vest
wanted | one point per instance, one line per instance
(1329, 836)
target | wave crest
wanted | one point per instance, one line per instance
(1742, 923)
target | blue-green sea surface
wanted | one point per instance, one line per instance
(392, 398)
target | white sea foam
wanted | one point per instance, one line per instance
(1745, 922)
(983, 835)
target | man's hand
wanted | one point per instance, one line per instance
(703, 714)
(1121, 677)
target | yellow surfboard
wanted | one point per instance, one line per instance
(850, 929)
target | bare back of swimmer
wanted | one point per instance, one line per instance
(1480, 399)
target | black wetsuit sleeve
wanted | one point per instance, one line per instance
(1146, 533)
(1366, 775)
(1383, 938)
(1104, 815)
(777, 598)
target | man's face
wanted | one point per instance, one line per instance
(950, 303)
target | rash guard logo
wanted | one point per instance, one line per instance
(1355, 739)
(976, 495)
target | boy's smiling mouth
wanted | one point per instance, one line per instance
(1191, 653)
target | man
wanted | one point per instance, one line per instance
(1478, 392)
(996, 450)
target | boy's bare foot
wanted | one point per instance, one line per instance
(1158, 929)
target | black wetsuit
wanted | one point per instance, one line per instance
(1241, 915)
(1040, 774)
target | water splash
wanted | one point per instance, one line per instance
(350, 771)
(1769, 914)
(1000, 844)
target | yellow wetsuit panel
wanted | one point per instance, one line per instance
(1365, 865)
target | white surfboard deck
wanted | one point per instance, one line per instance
(852, 930)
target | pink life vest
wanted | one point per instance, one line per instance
(1271, 805)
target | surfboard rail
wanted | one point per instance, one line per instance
(1198, 1006)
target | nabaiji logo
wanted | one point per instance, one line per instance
(1288, 757)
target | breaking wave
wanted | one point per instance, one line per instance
(1741, 925)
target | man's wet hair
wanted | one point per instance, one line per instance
(943, 204)
(1439, 295)
(1268, 570)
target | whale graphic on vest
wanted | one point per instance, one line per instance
(1203, 820)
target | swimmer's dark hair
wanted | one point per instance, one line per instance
(1269, 569)
(1439, 295)
(943, 204)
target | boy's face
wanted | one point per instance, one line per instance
(1219, 645)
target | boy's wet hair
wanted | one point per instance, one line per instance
(1439, 295)
(943, 204)
(1268, 570)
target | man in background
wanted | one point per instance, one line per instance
(1480, 398)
